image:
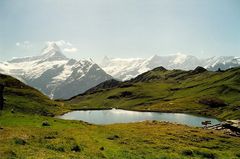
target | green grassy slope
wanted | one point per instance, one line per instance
(171, 91)
(23, 136)
(23, 98)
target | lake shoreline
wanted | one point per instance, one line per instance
(98, 116)
(141, 110)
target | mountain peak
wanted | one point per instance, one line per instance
(50, 53)
(105, 61)
(198, 69)
(154, 57)
(160, 68)
(53, 52)
(51, 47)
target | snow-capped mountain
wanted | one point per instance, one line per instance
(60, 77)
(54, 74)
(124, 69)
(222, 62)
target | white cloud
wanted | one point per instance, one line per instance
(64, 45)
(61, 43)
(72, 49)
(24, 44)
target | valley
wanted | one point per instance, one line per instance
(199, 92)
(119, 79)
(29, 129)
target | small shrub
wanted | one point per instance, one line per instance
(126, 85)
(114, 137)
(238, 155)
(102, 148)
(52, 147)
(76, 148)
(49, 137)
(165, 147)
(212, 102)
(61, 149)
(19, 141)
(207, 155)
(113, 97)
(11, 154)
(187, 152)
(126, 94)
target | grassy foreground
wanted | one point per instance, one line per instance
(23, 136)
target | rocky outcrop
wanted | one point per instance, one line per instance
(198, 69)
(161, 68)
(212, 102)
(1, 96)
(230, 127)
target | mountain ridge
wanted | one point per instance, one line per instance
(54, 74)
(125, 69)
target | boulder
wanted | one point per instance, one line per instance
(45, 123)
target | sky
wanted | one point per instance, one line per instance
(120, 28)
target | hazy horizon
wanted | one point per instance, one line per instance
(120, 29)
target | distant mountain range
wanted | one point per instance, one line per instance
(60, 77)
(54, 74)
(125, 69)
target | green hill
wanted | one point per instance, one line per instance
(25, 134)
(197, 91)
(22, 98)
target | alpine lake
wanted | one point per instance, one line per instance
(113, 116)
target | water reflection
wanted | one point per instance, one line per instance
(125, 116)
